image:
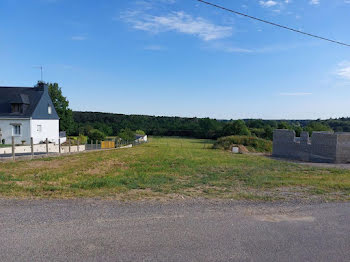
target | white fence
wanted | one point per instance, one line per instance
(36, 150)
(41, 148)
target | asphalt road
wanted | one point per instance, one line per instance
(96, 230)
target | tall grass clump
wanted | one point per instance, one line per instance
(253, 144)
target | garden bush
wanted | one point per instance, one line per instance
(253, 144)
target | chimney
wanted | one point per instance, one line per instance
(41, 86)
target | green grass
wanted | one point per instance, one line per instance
(170, 168)
(2, 145)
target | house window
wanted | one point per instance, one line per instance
(17, 108)
(39, 128)
(49, 110)
(16, 130)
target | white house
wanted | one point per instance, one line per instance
(27, 112)
(141, 138)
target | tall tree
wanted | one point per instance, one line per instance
(317, 126)
(61, 104)
(127, 134)
(237, 128)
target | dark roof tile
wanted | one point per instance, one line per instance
(21, 95)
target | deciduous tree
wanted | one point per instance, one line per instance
(61, 104)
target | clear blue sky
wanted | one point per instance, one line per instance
(183, 58)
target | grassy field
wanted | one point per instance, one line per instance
(170, 168)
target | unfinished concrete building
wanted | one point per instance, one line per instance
(324, 147)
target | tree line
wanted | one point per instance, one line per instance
(112, 124)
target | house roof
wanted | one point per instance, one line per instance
(21, 99)
(31, 97)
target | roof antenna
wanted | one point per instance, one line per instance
(41, 71)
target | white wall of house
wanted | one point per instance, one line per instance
(7, 129)
(42, 129)
(38, 129)
(143, 139)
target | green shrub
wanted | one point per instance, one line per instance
(140, 132)
(258, 132)
(74, 140)
(268, 132)
(95, 134)
(252, 143)
(237, 128)
(127, 134)
(82, 139)
(317, 126)
(284, 125)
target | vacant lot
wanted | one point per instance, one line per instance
(171, 168)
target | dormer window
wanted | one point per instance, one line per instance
(17, 108)
(49, 109)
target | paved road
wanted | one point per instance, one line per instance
(93, 230)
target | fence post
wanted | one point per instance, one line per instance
(69, 145)
(78, 144)
(59, 146)
(47, 146)
(96, 144)
(32, 147)
(92, 144)
(13, 149)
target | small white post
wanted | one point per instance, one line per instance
(13, 149)
(59, 146)
(32, 147)
(47, 146)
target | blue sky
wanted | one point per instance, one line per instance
(182, 58)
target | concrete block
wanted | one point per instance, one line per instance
(235, 150)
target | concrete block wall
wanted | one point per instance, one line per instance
(343, 149)
(285, 144)
(324, 147)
